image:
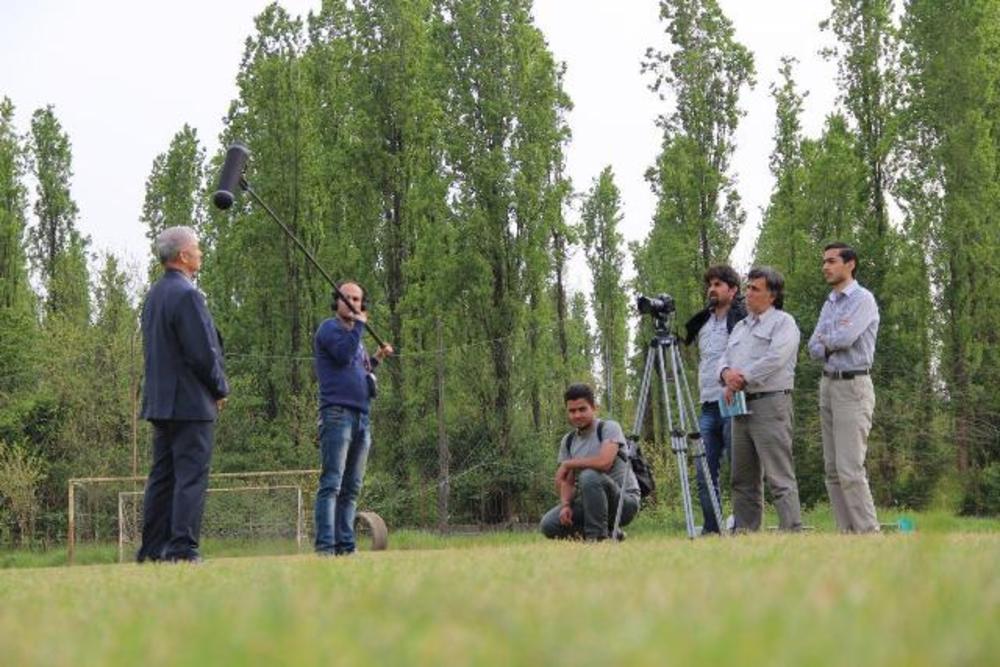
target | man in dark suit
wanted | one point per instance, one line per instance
(185, 388)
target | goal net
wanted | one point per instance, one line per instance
(239, 514)
(266, 512)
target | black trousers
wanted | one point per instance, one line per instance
(175, 491)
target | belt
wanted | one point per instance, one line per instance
(765, 394)
(844, 375)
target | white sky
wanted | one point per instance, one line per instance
(125, 75)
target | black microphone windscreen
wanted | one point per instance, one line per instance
(229, 179)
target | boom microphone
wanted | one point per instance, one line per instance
(229, 179)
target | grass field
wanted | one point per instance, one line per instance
(925, 598)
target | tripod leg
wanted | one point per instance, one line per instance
(700, 460)
(677, 437)
(680, 447)
(639, 415)
(702, 463)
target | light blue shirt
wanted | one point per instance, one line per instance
(845, 334)
(712, 340)
(765, 348)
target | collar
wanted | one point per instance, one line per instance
(763, 317)
(851, 288)
(183, 275)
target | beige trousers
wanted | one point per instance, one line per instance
(845, 408)
(762, 450)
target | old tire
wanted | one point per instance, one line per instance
(372, 524)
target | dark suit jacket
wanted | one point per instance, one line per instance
(183, 353)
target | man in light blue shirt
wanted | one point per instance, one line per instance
(760, 360)
(844, 340)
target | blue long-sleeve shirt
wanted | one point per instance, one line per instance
(845, 335)
(342, 366)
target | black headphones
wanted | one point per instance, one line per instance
(348, 281)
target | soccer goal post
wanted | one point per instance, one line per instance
(241, 505)
(253, 517)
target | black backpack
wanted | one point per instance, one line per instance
(640, 467)
(643, 471)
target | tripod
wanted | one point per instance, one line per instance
(683, 429)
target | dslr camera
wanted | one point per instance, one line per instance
(659, 306)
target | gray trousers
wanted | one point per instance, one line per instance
(845, 408)
(762, 450)
(594, 507)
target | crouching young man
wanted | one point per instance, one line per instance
(592, 472)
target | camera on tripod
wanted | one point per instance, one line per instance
(659, 306)
(665, 363)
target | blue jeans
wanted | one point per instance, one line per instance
(344, 438)
(716, 434)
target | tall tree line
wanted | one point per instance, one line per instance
(65, 351)
(897, 89)
(950, 186)
(414, 146)
(417, 146)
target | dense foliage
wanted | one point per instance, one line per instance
(418, 147)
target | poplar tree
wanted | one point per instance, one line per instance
(264, 293)
(17, 319)
(175, 189)
(892, 265)
(698, 213)
(54, 242)
(602, 242)
(818, 195)
(398, 108)
(505, 137)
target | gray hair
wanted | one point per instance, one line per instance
(775, 283)
(170, 241)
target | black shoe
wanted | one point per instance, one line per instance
(143, 557)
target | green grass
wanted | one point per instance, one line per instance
(659, 521)
(927, 598)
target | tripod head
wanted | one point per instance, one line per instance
(663, 326)
(661, 309)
